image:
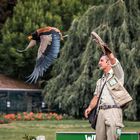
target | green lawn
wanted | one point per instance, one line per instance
(17, 130)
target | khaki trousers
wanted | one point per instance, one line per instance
(109, 122)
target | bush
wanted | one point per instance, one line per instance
(4, 121)
(29, 117)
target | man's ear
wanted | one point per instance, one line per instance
(108, 62)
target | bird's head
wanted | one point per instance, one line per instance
(30, 37)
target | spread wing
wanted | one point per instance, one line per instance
(47, 53)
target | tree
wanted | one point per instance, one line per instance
(75, 72)
(27, 17)
(6, 10)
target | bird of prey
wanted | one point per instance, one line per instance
(49, 39)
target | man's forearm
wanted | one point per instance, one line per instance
(93, 102)
(109, 53)
(111, 58)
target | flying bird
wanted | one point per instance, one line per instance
(49, 39)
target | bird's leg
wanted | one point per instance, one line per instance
(31, 44)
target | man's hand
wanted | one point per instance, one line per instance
(91, 106)
(87, 111)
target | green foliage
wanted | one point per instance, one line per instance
(27, 17)
(6, 9)
(75, 73)
(3, 120)
(74, 82)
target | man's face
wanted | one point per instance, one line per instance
(103, 63)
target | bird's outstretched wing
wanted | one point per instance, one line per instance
(47, 53)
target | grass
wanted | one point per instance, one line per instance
(17, 130)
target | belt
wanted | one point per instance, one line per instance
(104, 107)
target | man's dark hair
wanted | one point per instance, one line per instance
(102, 54)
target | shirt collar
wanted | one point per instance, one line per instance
(108, 75)
(110, 72)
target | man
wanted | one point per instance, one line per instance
(49, 46)
(110, 119)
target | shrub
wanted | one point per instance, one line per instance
(3, 120)
(29, 117)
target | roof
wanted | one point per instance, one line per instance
(8, 83)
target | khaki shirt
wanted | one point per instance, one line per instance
(106, 98)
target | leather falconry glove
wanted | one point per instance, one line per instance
(102, 44)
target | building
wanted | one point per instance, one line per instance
(18, 96)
